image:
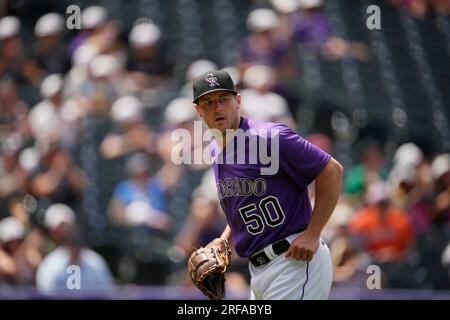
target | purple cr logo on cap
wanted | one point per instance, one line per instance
(211, 80)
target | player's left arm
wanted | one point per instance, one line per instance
(327, 190)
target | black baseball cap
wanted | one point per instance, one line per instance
(212, 81)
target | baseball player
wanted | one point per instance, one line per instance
(270, 218)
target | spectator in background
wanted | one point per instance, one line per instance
(264, 45)
(93, 18)
(57, 178)
(386, 235)
(286, 10)
(440, 170)
(386, 232)
(360, 177)
(134, 134)
(13, 114)
(14, 135)
(13, 179)
(79, 73)
(150, 62)
(11, 54)
(11, 234)
(52, 274)
(53, 119)
(433, 243)
(312, 30)
(95, 81)
(50, 52)
(410, 179)
(310, 27)
(14, 64)
(267, 46)
(140, 200)
(105, 36)
(178, 115)
(410, 198)
(20, 251)
(104, 85)
(258, 99)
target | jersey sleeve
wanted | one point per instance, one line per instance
(299, 159)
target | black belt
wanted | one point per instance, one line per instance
(260, 258)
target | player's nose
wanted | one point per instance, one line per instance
(217, 105)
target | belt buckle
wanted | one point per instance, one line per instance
(259, 258)
(262, 257)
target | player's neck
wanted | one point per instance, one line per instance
(225, 137)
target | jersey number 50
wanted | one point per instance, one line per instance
(255, 222)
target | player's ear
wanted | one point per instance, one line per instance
(197, 108)
(238, 99)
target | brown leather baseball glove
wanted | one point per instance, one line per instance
(207, 267)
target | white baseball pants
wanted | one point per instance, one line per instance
(289, 279)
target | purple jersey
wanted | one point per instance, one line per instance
(261, 209)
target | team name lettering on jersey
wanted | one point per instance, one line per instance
(236, 187)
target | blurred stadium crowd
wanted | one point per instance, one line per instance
(86, 176)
